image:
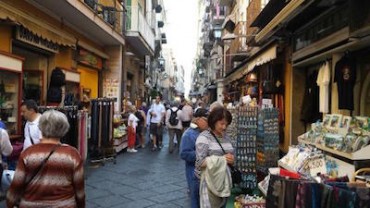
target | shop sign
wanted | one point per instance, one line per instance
(25, 35)
(90, 59)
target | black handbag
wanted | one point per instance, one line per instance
(236, 175)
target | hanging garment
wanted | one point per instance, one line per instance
(323, 81)
(310, 112)
(345, 77)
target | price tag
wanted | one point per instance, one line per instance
(317, 166)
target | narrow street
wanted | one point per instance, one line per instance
(142, 179)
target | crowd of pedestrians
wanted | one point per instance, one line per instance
(198, 134)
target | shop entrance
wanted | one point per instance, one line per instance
(34, 70)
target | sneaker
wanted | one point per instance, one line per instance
(133, 150)
(154, 148)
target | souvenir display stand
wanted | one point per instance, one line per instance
(246, 145)
(119, 134)
(344, 140)
(101, 147)
(330, 156)
(267, 139)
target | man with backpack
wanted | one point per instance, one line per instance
(174, 124)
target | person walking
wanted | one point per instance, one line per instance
(49, 174)
(157, 113)
(174, 124)
(214, 152)
(32, 134)
(131, 129)
(187, 114)
(187, 152)
(140, 128)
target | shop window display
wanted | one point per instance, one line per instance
(9, 88)
(32, 85)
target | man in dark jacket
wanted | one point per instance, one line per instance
(187, 152)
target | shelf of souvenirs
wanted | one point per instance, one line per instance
(361, 154)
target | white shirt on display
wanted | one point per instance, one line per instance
(323, 80)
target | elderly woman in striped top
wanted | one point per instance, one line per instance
(214, 152)
(49, 174)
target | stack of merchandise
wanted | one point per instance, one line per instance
(247, 201)
(232, 128)
(246, 145)
(350, 135)
(301, 159)
(267, 139)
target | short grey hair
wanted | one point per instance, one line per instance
(53, 124)
(215, 105)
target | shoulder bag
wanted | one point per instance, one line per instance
(236, 174)
(37, 171)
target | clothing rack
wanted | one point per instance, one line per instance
(337, 192)
(77, 133)
(101, 142)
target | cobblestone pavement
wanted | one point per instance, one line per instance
(142, 179)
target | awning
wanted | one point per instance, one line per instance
(262, 58)
(281, 17)
(36, 26)
(237, 74)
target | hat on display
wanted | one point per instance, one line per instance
(201, 112)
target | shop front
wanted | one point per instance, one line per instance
(332, 73)
(10, 93)
(89, 65)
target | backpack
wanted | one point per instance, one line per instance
(173, 117)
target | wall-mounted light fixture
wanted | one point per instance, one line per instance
(129, 53)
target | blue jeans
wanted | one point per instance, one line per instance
(193, 183)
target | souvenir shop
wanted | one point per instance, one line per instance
(10, 83)
(330, 160)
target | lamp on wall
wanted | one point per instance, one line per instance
(129, 53)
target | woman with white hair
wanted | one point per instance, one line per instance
(49, 174)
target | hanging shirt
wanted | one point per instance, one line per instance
(345, 77)
(323, 80)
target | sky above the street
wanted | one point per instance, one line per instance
(181, 31)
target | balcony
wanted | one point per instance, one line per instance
(139, 32)
(100, 23)
(238, 46)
